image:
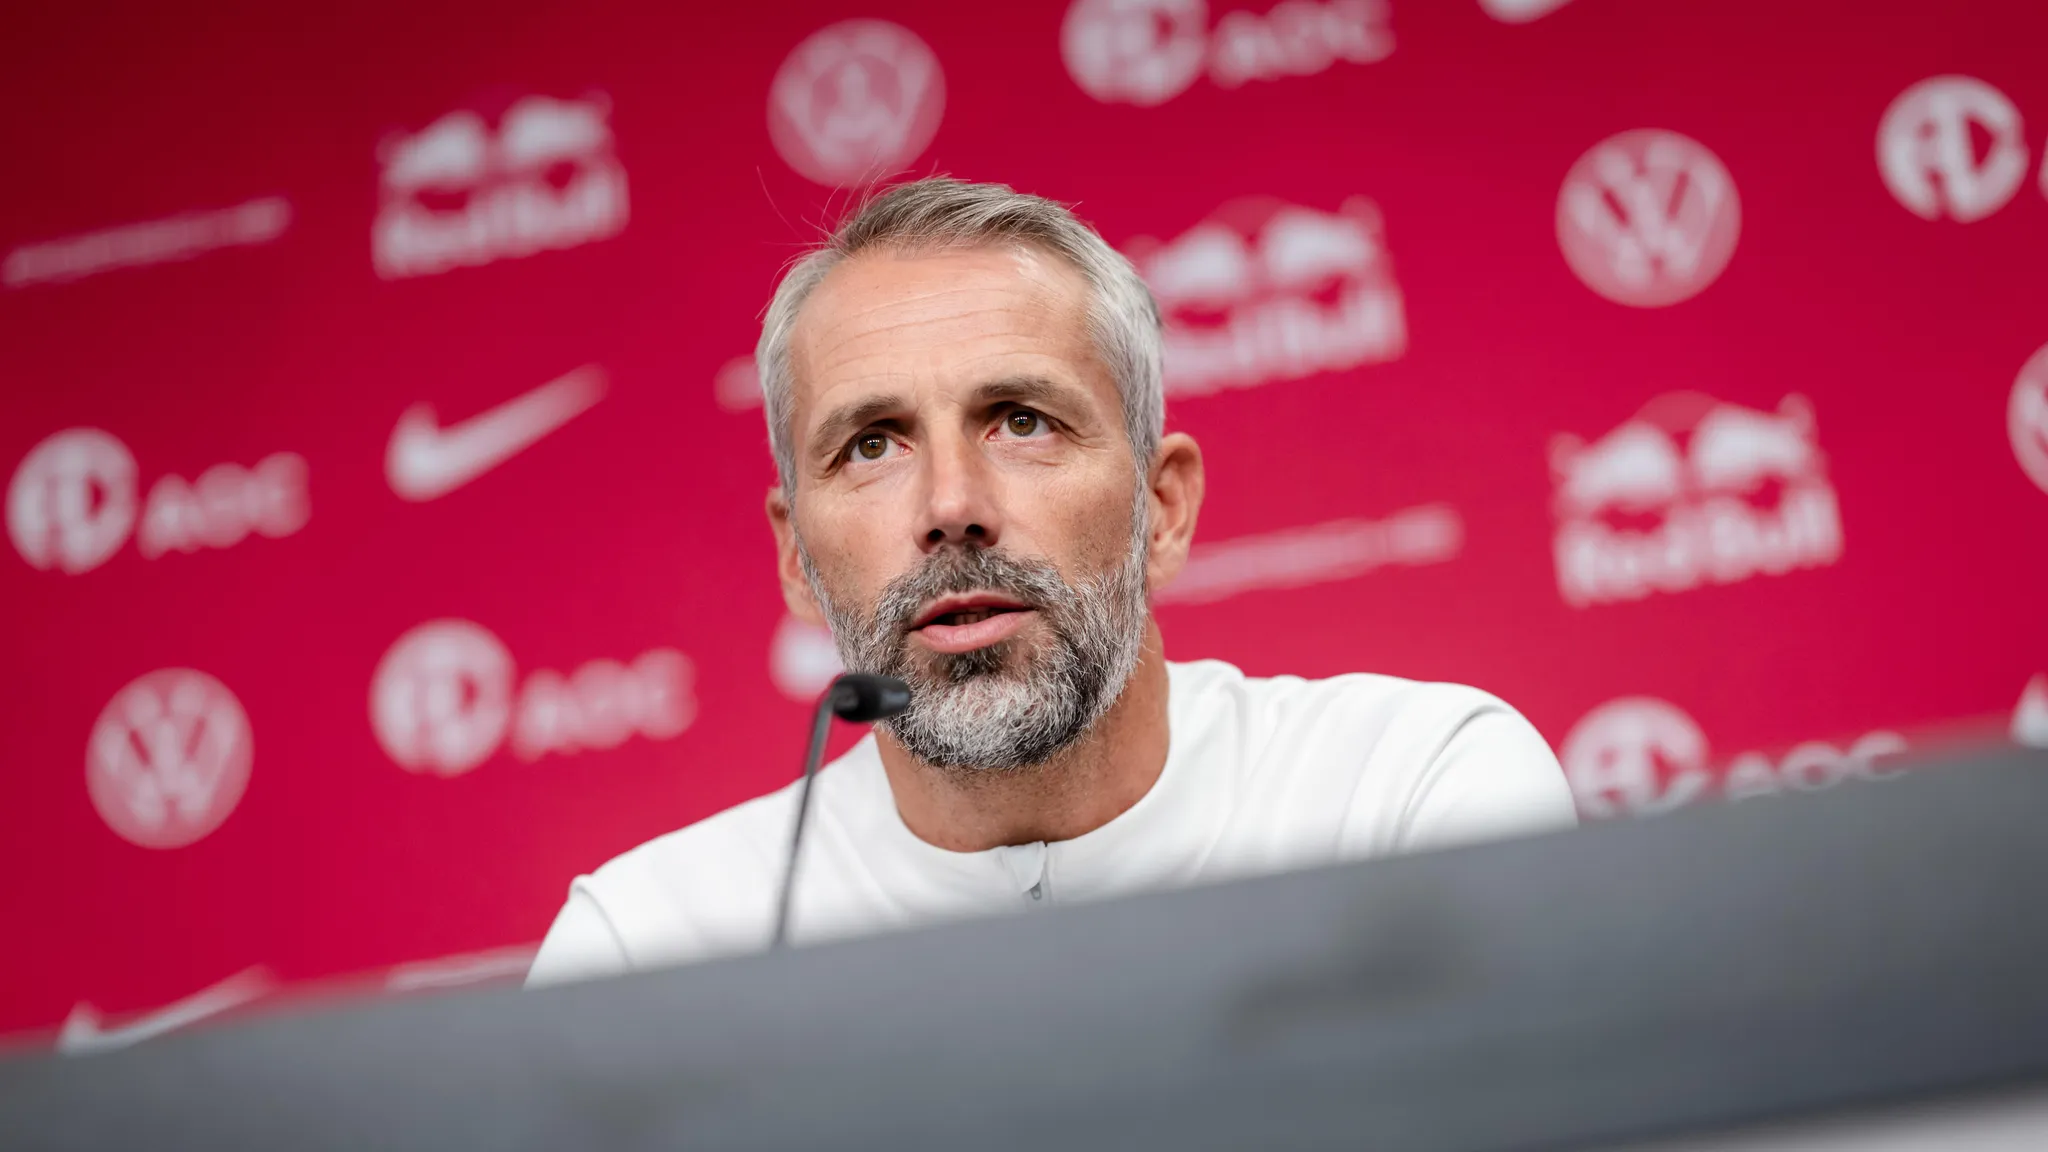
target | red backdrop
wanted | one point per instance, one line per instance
(384, 477)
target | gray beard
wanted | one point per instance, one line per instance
(1014, 704)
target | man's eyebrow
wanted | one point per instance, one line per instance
(1023, 390)
(847, 419)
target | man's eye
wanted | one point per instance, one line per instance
(1024, 422)
(871, 446)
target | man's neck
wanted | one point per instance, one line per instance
(1085, 786)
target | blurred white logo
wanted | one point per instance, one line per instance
(1316, 554)
(1635, 755)
(168, 758)
(2026, 418)
(492, 966)
(425, 459)
(1748, 495)
(856, 101)
(802, 659)
(1142, 52)
(1640, 756)
(1520, 11)
(447, 694)
(737, 386)
(1146, 52)
(1928, 153)
(454, 194)
(72, 503)
(2030, 715)
(85, 1032)
(1648, 218)
(163, 241)
(1264, 291)
(441, 698)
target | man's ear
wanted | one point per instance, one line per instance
(796, 591)
(1176, 500)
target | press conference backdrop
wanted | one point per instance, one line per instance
(384, 459)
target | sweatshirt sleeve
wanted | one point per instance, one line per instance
(1494, 778)
(581, 945)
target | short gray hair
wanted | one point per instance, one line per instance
(938, 213)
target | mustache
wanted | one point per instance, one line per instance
(967, 569)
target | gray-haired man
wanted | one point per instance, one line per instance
(977, 495)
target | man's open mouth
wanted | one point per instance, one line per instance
(969, 615)
(973, 608)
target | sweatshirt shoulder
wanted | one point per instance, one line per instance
(700, 891)
(1346, 701)
(739, 837)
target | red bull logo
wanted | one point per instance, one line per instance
(1641, 756)
(455, 193)
(1265, 291)
(1691, 492)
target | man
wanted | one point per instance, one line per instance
(977, 495)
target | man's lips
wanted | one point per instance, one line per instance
(953, 624)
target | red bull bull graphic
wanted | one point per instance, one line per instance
(454, 194)
(1265, 291)
(1641, 756)
(1691, 492)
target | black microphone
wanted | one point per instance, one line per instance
(860, 697)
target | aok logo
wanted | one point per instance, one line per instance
(1146, 52)
(456, 194)
(1264, 291)
(169, 758)
(1639, 756)
(1690, 492)
(447, 694)
(73, 503)
(1648, 218)
(1953, 146)
(2026, 419)
(855, 102)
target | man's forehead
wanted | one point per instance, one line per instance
(908, 317)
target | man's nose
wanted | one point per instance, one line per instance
(960, 505)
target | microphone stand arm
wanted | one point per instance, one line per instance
(820, 726)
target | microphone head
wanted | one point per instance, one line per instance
(864, 697)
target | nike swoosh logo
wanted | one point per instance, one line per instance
(1520, 11)
(83, 1035)
(425, 460)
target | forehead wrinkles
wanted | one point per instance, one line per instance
(866, 310)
